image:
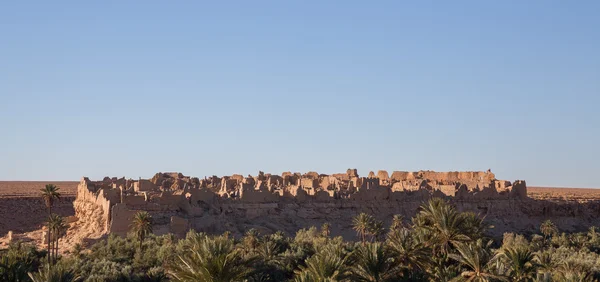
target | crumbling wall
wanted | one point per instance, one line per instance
(96, 196)
(121, 219)
(172, 194)
(144, 185)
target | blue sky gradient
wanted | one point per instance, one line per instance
(129, 88)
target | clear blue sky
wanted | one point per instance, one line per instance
(129, 88)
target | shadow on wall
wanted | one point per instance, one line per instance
(28, 214)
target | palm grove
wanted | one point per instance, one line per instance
(438, 244)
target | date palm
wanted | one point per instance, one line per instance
(210, 260)
(376, 230)
(13, 270)
(325, 230)
(251, 239)
(16, 262)
(362, 224)
(408, 251)
(329, 264)
(593, 233)
(303, 276)
(142, 226)
(520, 263)
(548, 228)
(56, 225)
(373, 262)
(57, 273)
(444, 223)
(573, 270)
(397, 223)
(474, 225)
(49, 195)
(546, 263)
(477, 258)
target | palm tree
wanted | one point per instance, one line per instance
(593, 233)
(142, 225)
(325, 230)
(397, 223)
(16, 262)
(303, 276)
(444, 223)
(440, 269)
(362, 224)
(546, 264)
(56, 225)
(13, 270)
(57, 273)
(474, 225)
(210, 260)
(548, 228)
(376, 230)
(269, 263)
(373, 262)
(50, 194)
(329, 264)
(572, 270)
(250, 240)
(408, 252)
(477, 258)
(155, 274)
(520, 263)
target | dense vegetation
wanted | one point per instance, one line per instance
(439, 244)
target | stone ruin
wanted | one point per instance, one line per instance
(279, 202)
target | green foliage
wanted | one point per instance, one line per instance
(408, 251)
(142, 225)
(210, 260)
(17, 261)
(444, 227)
(362, 224)
(441, 244)
(121, 259)
(548, 228)
(56, 226)
(397, 223)
(519, 263)
(477, 260)
(329, 264)
(50, 194)
(374, 262)
(54, 273)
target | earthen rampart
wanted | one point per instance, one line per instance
(292, 200)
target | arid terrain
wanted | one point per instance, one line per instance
(23, 211)
(16, 189)
(569, 194)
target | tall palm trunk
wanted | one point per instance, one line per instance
(49, 233)
(56, 249)
(55, 246)
(49, 239)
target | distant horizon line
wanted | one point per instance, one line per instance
(528, 185)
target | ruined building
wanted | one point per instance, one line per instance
(291, 201)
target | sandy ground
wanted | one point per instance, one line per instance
(15, 189)
(22, 208)
(571, 194)
(23, 211)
